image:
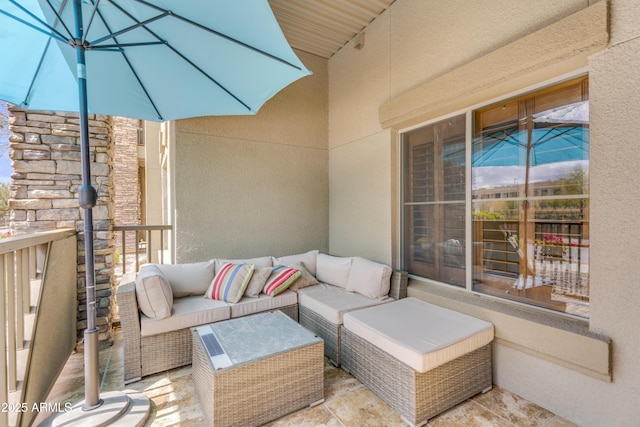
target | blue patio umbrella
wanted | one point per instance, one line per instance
(148, 59)
(544, 145)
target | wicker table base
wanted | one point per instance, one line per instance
(414, 395)
(254, 393)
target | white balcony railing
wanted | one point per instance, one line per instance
(38, 277)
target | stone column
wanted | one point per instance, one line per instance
(45, 153)
(126, 137)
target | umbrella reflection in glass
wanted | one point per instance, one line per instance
(529, 154)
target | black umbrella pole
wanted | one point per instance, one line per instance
(87, 198)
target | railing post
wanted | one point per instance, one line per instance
(19, 300)
(4, 384)
(33, 262)
(161, 246)
(11, 321)
(123, 254)
(148, 245)
(137, 248)
(26, 280)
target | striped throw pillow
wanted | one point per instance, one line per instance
(281, 278)
(230, 282)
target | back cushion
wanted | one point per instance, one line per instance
(261, 262)
(153, 292)
(188, 279)
(333, 270)
(309, 259)
(369, 278)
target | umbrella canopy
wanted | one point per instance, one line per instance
(152, 60)
(546, 145)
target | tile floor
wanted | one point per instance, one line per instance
(347, 402)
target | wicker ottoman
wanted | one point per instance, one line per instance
(420, 358)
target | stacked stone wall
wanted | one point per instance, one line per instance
(45, 153)
(126, 181)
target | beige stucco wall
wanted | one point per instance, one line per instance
(360, 206)
(359, 149)
(417, 41)
(248, 186)
(615, 191)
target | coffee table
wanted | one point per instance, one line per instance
(277, 367)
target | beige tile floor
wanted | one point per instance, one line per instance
(347, 402)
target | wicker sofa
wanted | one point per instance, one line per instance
(158, 338)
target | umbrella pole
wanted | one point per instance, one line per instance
(87, 199)
(127, 408)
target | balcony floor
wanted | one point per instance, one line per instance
(347, 402)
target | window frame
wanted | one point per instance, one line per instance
(526, 309)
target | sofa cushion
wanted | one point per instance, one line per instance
(188, 279)
(332, 302)
(264, 261)
(333, 270)
(247, 306)
(280, 279)
(257, 282)
(153, 292)
(187, 312)
(305, 279)
(369, 278)
(230, 282)
(308, 258)
(442, 335)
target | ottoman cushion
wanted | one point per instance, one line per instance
(419, 334)
(331, 302)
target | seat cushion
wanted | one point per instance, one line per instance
(331, 302)
(187, 312)
(248, 305)
(421, 335)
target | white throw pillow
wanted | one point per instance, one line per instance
(369, 278)
(309, 259)
(153, 292)
(306, 278)
(333, 270)
(261, 262)
(188, 279)
(257, 282)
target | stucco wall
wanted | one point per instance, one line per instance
(248, 186)
(360, 207)
(615, 191)
(415, 42)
